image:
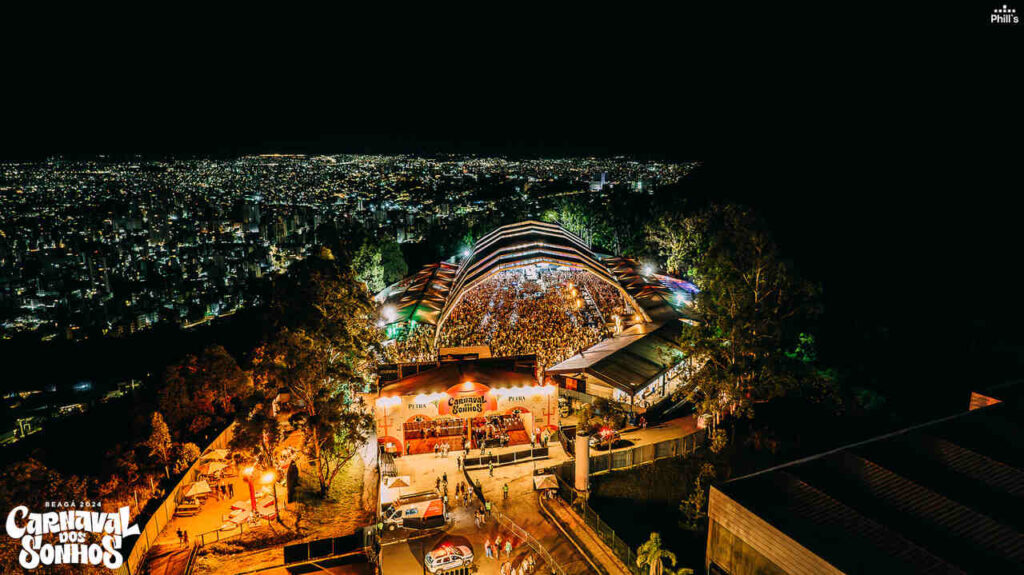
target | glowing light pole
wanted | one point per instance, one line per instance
(247, 475)
(270, 478)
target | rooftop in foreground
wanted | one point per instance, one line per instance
(946, 496)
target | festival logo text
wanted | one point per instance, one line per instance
(72, 529)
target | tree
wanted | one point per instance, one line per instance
(324, 353)
(319, 379)
(258, 431)
(200, 393)
(185, 454)
(392, 261)
(367, 264)
(651, 555)
(752, 307)
(694, 507)
(159, 442)
(586, 423)
(335, 435)
(719, 440)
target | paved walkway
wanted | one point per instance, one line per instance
(584, 537)
(671, 429)
(405, 554)
(167, 559)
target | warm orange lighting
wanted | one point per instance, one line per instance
(268, 477)
(247, 471)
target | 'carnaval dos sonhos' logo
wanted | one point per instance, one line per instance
(466, 404)
(72, 529)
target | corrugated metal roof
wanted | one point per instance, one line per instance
(630, 360)
(919, 485)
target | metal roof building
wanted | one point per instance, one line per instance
(942, 497)
(630, 360)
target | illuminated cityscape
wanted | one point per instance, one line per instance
(103, 247)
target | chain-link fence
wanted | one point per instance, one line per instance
(525, 537)
(633, 456)
(506, 458)
(614, 460)
(578, 504)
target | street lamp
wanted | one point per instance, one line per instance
(247, 475)
(270, 478)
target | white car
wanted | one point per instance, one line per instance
(448, 556)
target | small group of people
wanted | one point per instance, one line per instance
(441, 449)
(479, 517)
(526, 566)
(182, 537)
(462, 494)
(493, 550)
(223, 490)
(441, 483)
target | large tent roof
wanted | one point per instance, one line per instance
(429, 295)
(421, 296)
(629, 360)
(522, 244)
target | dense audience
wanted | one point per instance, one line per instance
(553, 314)
(418, 345)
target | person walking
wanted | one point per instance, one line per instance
(185, 533)
(181, 538)
(488, 507)
(487, 548)
(231, 490)
(504, 489)
(490, 468)
(444, 477)
(508, 547)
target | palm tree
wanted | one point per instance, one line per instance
(653, 556)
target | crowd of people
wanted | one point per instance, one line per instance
(553, 314)
(494, 430)
(434, 428)
(417, 345)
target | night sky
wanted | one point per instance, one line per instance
(883, 174)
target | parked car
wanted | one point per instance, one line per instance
(605, 437)
(448, 556)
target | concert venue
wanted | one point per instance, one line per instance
(491, 343)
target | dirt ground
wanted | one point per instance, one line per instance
(350, 505)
